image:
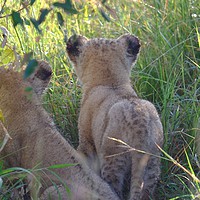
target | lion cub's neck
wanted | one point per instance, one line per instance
(111, 82)
(102, 91)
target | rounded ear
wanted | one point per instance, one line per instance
(40, 79)
(131, 43)
(74, 45)
(43, 71)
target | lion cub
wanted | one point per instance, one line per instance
(111, 109)
(36, 144)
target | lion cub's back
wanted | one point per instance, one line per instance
(133, 117)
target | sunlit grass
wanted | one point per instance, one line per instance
(167, 72)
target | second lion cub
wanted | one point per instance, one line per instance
(111, 109)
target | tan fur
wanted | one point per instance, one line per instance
(37, 144)
(111, 108)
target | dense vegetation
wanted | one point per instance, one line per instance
(167, 72)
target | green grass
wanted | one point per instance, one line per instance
(167, 72)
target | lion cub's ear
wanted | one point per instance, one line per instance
(40, 79)
(131, 44)
(74, 46)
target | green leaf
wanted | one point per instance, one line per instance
(61, 181)
(16, 18)
(1, 166)
(35, 24)
(60, 166)
(28, 89)
(60, 19)
(32, 2)
(1, 116)
(44, 13)
(6, 172)
(104, 15)
(27, 22)
(30, 68)
(26, 58)
(7, 56)
(67, 7)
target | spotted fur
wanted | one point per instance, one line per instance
(110, 108)
(36, 143)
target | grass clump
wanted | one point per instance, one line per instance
(167, 72)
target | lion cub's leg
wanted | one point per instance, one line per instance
(119, 165)
(115, 157)
(139, 163)
(151, 176)
(89, 153)
(114, 165)
(129, 124)
(144, 181)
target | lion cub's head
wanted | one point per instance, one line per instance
(38, 81)
(103, 61)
